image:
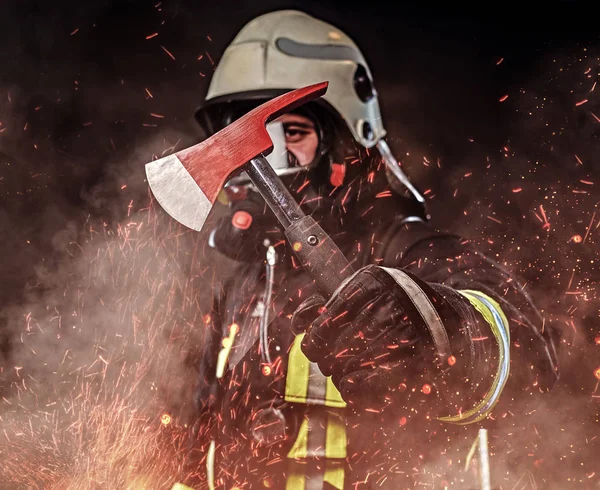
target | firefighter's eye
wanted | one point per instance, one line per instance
(295, 133)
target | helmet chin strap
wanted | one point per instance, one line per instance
(394, 167)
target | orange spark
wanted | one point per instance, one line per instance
(168, 52)
(152, 35)
(543, 218)
(581, 102)
(503, 98)
(587, 232)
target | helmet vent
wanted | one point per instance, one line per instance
(316, 51)
(363, 85)
(367, 131)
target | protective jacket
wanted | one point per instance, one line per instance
(270, 419)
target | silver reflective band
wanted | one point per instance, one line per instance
(426, 310)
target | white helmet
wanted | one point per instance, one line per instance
(288, 49)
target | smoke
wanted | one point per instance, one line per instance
(98, 379)
(103, 295)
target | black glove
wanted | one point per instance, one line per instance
(373, 341)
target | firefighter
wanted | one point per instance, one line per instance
(429, 338)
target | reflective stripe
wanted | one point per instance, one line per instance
(296, 381)
(334, 474)
(492, 313)
(426, 310)
(336, 443)
(319, 451)
(321, 438)
(317, 384)
(300, 448)
(301, 478)
(210, 466)
(295, 480)
(305, 383)
(225, 351)
(322, 434)
(332, 395)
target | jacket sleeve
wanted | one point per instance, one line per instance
(503, 355)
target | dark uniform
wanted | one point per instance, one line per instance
(275, 421)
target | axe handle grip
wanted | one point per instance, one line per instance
(318, 255)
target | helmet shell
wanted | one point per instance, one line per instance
(288, 49)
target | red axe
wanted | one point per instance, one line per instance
(186, 185)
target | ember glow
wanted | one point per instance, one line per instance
(99, 359)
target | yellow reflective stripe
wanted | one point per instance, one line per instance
(300, 448)
(332, 395)
(334, 474)
(210, 465)
(492, 313)
(295, 481)
(335, 437)
(296, 381)
(298, 377)
(227, 343)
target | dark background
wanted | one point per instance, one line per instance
(80, 82)
(89, 94)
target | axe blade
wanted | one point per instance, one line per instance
(186, 184)
(177, 192)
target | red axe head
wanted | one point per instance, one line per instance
(186, 183)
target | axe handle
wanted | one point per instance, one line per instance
(317, 252)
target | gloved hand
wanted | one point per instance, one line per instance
(373, 341)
